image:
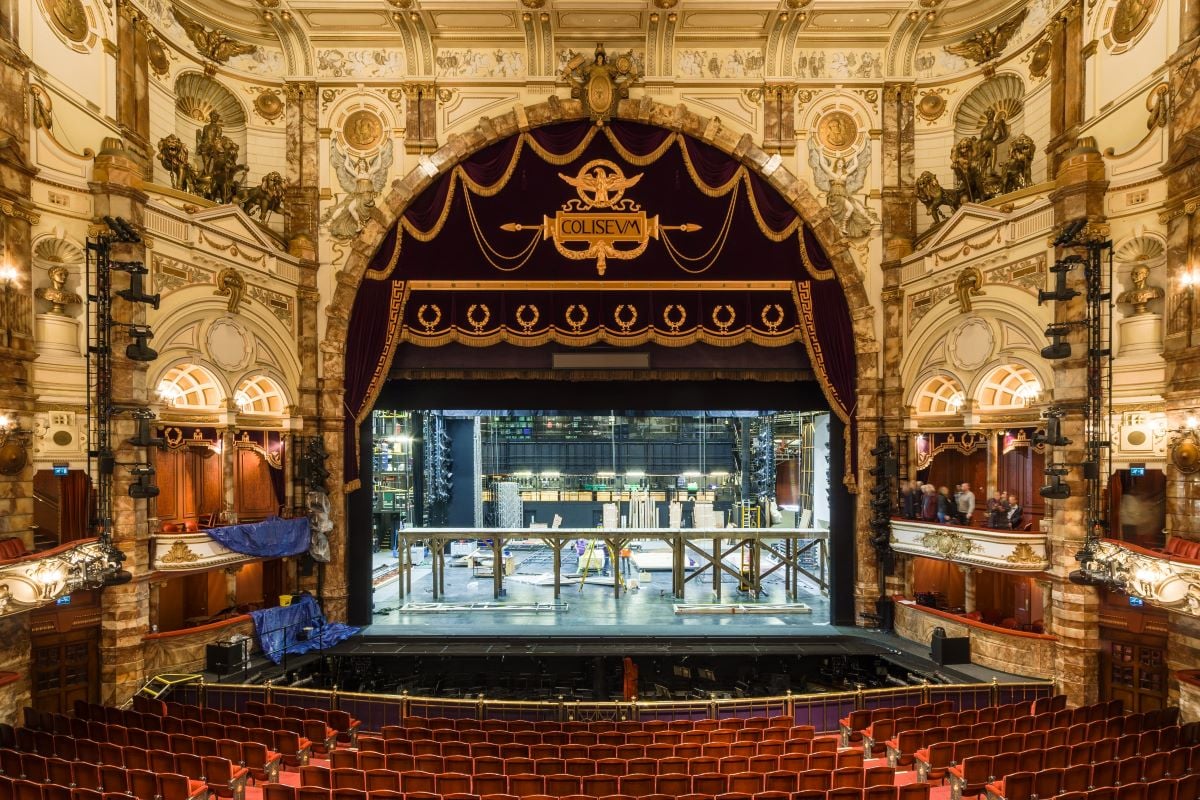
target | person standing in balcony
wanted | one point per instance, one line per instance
(964, 499)
(1015, 513)
(945, 505)
(997, 510)
(929, 503)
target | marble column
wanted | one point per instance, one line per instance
(1189, 20)
(420, 103)
(17, 353)
(133, 84)
(1067, 87)
(779, 118)
(1079, 192)
(125, 610)
(229, 473)
(968, 589)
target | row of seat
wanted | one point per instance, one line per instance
(320, 736)
(1061, 720)
(623, 726)
(929, 715)
(221, 776)
(294, 748)
(560, 784)
(796, 762)
(616, 738)
(341, 721)
(901, 749)
(426, 747)
(947, 753)
(974, 774)
(163, 786)
(262, 763)
(912, 791)
(1051, 782)
(1166, 789)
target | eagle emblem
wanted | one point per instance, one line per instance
(601, 184)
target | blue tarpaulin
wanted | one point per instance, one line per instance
(271, 538)
(283, 629)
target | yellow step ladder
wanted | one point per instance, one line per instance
(159, 685)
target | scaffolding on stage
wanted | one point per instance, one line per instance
(710, 546)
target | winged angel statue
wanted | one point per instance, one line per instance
(840, 178)
(362, 178)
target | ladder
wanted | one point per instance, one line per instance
(585, 563)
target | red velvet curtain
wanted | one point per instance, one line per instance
(75, 506)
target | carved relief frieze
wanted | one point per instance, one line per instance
(1014, 551)
(171, 275)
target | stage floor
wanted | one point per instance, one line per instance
(529, 608)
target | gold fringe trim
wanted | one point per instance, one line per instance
(399, 300)
(352, 486)
(566, 158)
(636, 160)
(386, 272)
(817, 274)
(432, 233)
(498, 186)
(815, 356)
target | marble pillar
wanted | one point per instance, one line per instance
(968, 589)
(1079, 192)
(420, 104)
(133, 85)
(1067, 85)
(17, 216)
(779, 118)
(125, 610)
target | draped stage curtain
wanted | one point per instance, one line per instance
(729, 262)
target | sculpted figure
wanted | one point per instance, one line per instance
(934, 197)
(1018, 168)
(56, 293)
(173, 155)
(266, 197)
(1140, 295)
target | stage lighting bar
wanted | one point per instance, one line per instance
(138, 350)
(1053, 435)
(136, 292)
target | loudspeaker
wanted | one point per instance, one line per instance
(223, 658)
(885, 608)
(951, 650)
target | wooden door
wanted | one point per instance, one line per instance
(1133, 669)
(65, 668)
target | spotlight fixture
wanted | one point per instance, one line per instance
(1056, 489)
(136, 292)
(138, 350)
(1057, 349)
(144, 437)
(1053, 434)
(122, 231)
(1061, 291)
(1072, 229)
(144, 488)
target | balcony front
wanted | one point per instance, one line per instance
(194, 548)
(1011, 551)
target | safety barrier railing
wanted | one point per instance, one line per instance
(821, 710)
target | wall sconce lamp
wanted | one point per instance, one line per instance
(1185, 442)
(14, 445)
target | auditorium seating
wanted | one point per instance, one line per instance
(1012, 752)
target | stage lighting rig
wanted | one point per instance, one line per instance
(1061, 291)
(144, 437)
(1067, 235)
(1053, 434)
(138, 350)
(136, 292)
(122, 231)
(1057, 349)
(144, 488)
(1056, 489)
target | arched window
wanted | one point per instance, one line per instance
(941, 394)
(260, 394)
(192, 387)
(1008, 386)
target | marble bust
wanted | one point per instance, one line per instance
(1140, 295)
(56, 293)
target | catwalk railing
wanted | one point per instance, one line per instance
(819, 710)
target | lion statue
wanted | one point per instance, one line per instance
(1017, 170)
(933, 196)
(266, 197)
(173, 155)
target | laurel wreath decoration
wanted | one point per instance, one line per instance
(676, 322)
(723, 325)
(426, 323)
(773, 323)
(625, 324)
(576, 323)
(478, 324)
(527, 323)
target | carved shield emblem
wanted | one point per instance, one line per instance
(600, 92)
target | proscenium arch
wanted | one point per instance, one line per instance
(678, 118)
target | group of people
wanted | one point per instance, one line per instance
(924, 502)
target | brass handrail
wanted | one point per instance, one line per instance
(823, 704)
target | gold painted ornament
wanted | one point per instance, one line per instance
(269, 105)
(362, 130)
(837, 130)
(1129, 18)
(69, 18)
